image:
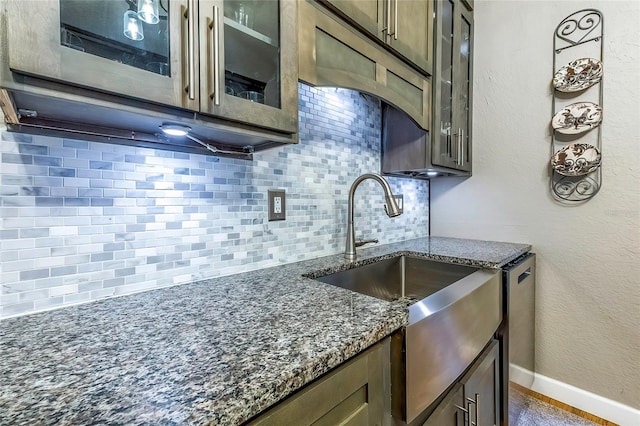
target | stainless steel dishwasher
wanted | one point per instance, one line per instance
(517, 334)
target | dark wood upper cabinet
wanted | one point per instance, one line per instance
(403, 26)
(230, 60)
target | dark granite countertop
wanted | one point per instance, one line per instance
(217, 351)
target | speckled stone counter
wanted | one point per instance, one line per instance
(214, 352)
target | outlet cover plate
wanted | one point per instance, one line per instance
(277, 204)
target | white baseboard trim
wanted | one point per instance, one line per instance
(521, 376)
(604, 408)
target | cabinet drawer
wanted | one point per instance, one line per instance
(356, 393)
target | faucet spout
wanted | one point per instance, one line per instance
(390, 207)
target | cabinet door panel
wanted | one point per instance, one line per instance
(84, 44)
(412, 31)
(366, 13)
(482, 385)
(249, 56)
(463, 79)
(444, 135)
(452, 144)
(448, 412)
(332, 54)
(356, 393)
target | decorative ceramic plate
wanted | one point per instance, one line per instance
(576, 159)
(577, 118)
(578, 75)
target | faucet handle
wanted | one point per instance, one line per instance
(360, 243)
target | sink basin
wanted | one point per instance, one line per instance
(400, 277)
(453, 311)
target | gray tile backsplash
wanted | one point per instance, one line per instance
(81, 221)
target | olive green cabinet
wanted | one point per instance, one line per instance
(448, 412)
(452, 138)
(475, 399)
(334, 53)
(355, 393)
(405, 26)
(412, 31)
(369, 15)
(104, 46)
(235, 60)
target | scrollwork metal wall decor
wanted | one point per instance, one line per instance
(578, 71)
(575, 28)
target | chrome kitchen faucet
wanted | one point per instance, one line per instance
(390, 207)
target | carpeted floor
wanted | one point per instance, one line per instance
(525, 410)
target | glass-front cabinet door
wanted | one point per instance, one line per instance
(463, 89)
(453, 83)
(444, 143)
(138, 48)
(248, 61)
(231, 59)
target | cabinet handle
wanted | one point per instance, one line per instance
(477, 402)
(395, 19)
(462, 147)
(476, 410)
(215, 29)
(523, 276)
(387, 22)
(457, 142)
(190, 15)
(466, 415)
(459, 148)
(450, 142)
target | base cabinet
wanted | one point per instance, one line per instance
(356, 393)
(448, 412)
(475, 399)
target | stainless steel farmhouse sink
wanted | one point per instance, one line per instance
(399, 277)
(454, 310)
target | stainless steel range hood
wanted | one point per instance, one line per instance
(407, 149)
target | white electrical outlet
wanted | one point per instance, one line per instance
(277, 204)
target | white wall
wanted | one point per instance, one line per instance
(588, 287)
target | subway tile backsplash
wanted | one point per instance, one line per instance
(81, 221)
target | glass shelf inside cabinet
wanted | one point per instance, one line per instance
(109, 29)
(250, 32)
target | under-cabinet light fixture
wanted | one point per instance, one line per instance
(175, 129)
(432, 174)
(181, 130)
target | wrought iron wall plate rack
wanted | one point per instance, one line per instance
(577, 107)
